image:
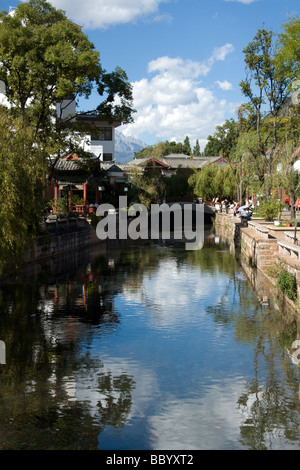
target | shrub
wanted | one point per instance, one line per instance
(270, 209)
(287, 284)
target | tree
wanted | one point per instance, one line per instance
(212, 181)
(146, 187)
(186, 148)
(22, 169)
(118, 103)
(264, 87)
(287, 175)
(197, 150)
(223, 141)
(161, 149)
(44, 59)
(287, 57)
(177, 184)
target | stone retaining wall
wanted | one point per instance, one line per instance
(52, 245)
(249, 245)
(257, 249)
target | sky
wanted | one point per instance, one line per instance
(184, 58)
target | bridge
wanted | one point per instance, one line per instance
(209, 208)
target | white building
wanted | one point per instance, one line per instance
(101, 141)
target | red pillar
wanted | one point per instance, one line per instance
(56, 194)
(97, 196)
(84, 193)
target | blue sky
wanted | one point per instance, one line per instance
(183, 57)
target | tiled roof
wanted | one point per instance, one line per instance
(109, 166)
(66, 165)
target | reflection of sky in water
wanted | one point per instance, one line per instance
(188, 372)
(175, 293)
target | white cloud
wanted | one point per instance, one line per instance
(174, 103)
(93, 14)
(225, 85)
(220, 53)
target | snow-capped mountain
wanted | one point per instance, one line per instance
(125, 147)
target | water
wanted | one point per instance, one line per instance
(148, 347)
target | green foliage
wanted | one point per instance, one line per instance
(223, 141)
(116, 85)
(213, 181)
(270, 209)
(22, 170)
(287, 284)
(197, 150)
(163, 149)
(177, 184)
(187, 146)
(44, 58)
(47, 59)
(288, 53)
(94, 220)
(62, 206)
(147, 188)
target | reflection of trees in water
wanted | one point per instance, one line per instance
(115, 404)
(39, 406)
(269, 417)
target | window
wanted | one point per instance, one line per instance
(107, 157)
(103, 133)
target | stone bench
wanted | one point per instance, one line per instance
(289, 249)
(289, 236)
(259, 229)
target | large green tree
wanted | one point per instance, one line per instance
(223, 141)
(44, 59)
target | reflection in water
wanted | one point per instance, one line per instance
(147, 347)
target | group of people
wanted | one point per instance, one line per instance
(224, 205)
(234, 207)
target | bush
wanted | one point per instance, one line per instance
(94, 220)
(270, 209)
(287, 284)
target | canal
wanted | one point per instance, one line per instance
(146, 346)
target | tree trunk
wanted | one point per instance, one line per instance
(241, 186)
(293, 202)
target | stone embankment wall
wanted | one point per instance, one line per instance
(256, 246)
(250, 247)
(52, 245)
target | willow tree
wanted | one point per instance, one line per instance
(213, 181)
(22, 169)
